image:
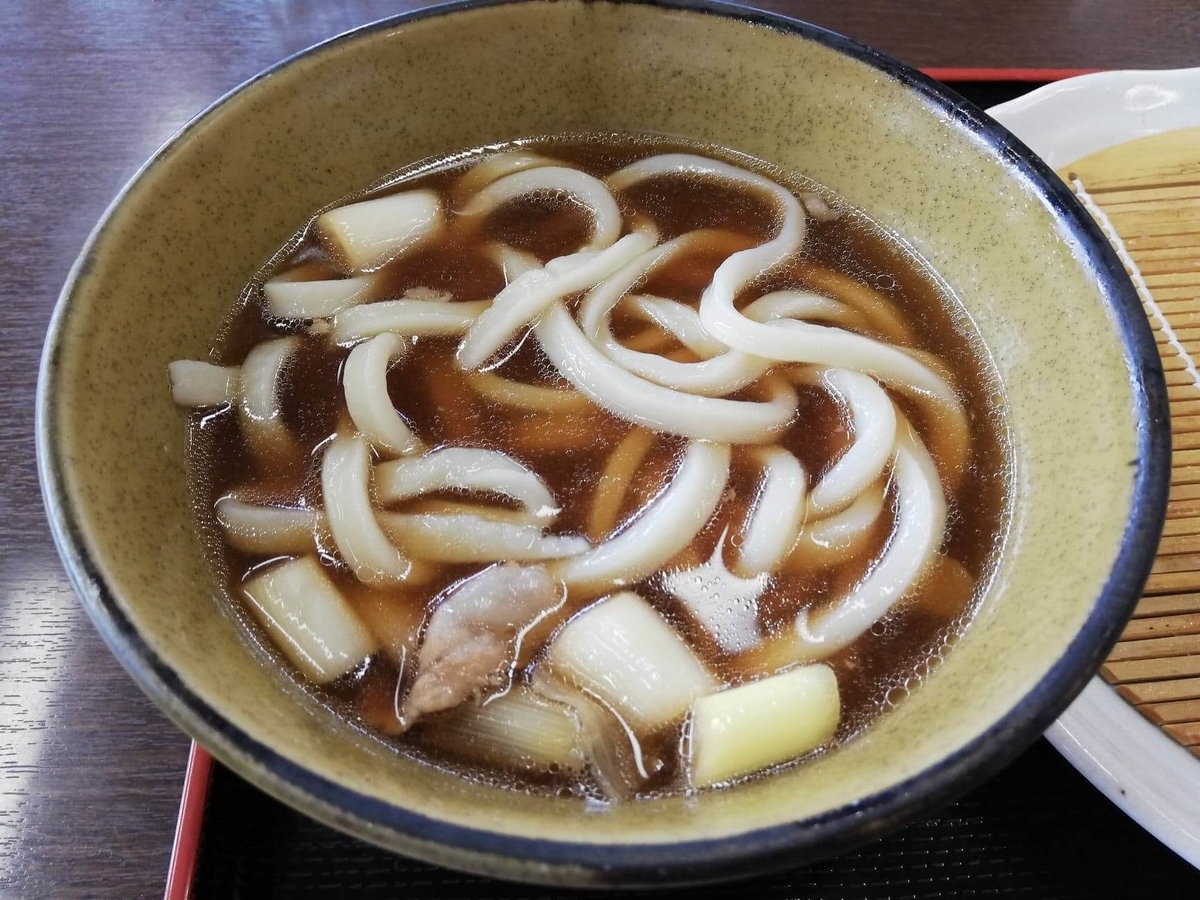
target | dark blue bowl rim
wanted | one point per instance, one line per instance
(698, 861)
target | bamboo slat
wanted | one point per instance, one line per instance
(1149, 190)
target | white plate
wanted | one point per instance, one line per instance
(1148, 775)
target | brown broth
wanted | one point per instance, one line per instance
(436, 399)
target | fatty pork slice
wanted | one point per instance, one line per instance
(473, 636)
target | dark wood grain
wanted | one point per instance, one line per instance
(89, 771)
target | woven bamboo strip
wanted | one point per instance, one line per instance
(1173, 583)
(1171, 713)
(1149, 190)
(1188, 735)
(1154, 648)
(1113, 198)
(1169, 605)
(1161, 691)
(1152, 669)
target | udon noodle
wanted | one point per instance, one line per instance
(610, 469)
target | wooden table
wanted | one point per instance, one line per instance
(90, 771)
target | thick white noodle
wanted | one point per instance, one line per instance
(480, 510)
(805, 306)
(498, 166)
(466, 469)
(682, 322)
(346, 487)
(532, 397)
(364, 379)
(314, 299)
(826, 542)
(661, 529)
(201, 384)
(656, 407)
(873, 419)
(874, 307)
(524, 298)
(261, 413)
(512, 262)
(465, 538)
(613, 483)
(269, 530)
(579, 186)
(775, 519)
(408, 318)
(818, 344)
(919, 529)
(721, 374)
(677, 319)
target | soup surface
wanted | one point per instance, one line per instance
(601, 465)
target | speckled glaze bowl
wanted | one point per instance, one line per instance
(1083, 389)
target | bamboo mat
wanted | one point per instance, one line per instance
(1146, 196)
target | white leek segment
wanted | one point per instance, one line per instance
(408, 318)
(519, 729)
(466, 469)
(314, 299)
(372, 233)
(261, 413)
(826, 542)
(613, 752)
(653, 406)
(920, 527)
(777, 514)
(582, 188)
(761, 724)
(531, 397)
(346, 485)
(614, 481)
(623, 652)
(466, 538)
(307, 618)
(201, 384)
(524, 298)
(873, 421)
(269, 530)
(661, 529)
(724, 605)
(364, 380)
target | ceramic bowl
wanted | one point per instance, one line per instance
(1083, 393)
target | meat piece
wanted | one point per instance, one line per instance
(472, 637)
